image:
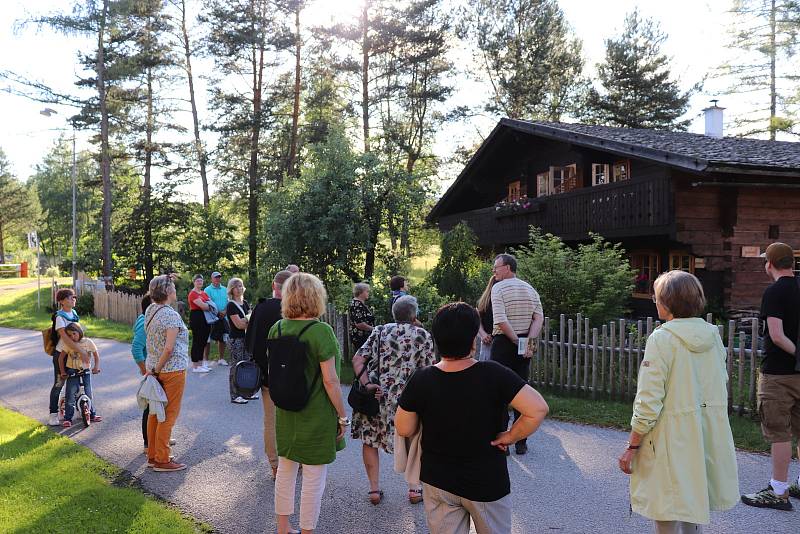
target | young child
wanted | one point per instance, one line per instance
(65, 315)
(71, 362)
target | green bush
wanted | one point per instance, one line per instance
(52, 272)
(85, 304)
(595, 279)
(460, 273)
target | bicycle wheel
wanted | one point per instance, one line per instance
(85, 412)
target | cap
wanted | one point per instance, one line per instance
(778, 251)
(215, 274)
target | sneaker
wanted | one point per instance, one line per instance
(66, 424)
(96, 418)
(205, 365)
(222, 362)
(152, 463)
(794, 491)
(172, 441)
(169, 467)
(53, 420)
(767, 498)
(200, 370)
(255, 396)
(239, 400)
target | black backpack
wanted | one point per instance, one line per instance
(288, 357)
(246, 378)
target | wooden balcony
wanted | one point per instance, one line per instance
(625, 209)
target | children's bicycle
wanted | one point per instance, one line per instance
(83, 404)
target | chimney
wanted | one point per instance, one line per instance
(714, 120)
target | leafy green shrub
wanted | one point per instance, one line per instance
(85, 304)
(52, 272)
(595, 279)
(460, 273)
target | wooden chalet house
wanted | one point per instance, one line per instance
(703, 203)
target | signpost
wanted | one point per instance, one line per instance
(33, 241)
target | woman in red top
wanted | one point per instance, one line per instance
(198, 325)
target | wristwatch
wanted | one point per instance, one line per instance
(632, 447)
(344, 421)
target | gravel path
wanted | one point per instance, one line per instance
(568, 482)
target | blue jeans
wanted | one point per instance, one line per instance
(55, 391)
(73, 385)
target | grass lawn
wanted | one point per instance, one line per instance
(18, 310)
(614, 414)
(422, 264)
(49, 483)
(45, 281)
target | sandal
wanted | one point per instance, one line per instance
(415, 496)
(375, 497)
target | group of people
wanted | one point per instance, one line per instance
(444, 396)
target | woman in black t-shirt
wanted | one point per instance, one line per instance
(459, 403)
(237, 312)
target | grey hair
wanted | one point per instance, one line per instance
(405, 308)
(359, 288)
(159, 288)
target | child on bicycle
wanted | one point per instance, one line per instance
(71, 364)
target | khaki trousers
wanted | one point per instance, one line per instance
(270, 445)
(450, 514)
(158, 434)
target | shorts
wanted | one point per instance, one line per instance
(779, 406)
(219, 330)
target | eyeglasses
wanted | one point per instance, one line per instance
(495, 267)
(654, 300)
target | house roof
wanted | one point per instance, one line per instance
(691, 152)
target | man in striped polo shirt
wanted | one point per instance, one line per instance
(517, 313)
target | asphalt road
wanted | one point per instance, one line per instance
(568, 482)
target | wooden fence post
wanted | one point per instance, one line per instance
(570, 327)
(546, 351)
(753, 364)
(586, 355)
(561, 338)
(621, 358)
(578, 328)
(742, 353)
(612, 345)
(729, 362)
(594, 363)
(603, 358)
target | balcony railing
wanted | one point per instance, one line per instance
(630, 208)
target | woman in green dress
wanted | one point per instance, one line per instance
(312, 436)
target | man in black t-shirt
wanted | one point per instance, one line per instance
(264, 316)
(779, 379)
(460, 404)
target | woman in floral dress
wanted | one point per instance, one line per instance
(391, 353)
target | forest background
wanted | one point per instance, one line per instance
(316, 143)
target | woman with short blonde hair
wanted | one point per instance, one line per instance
(362, 320)
(303, 296)
(311, 436)
(680, 452)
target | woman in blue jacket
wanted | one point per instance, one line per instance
(139, 351)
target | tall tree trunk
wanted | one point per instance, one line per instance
(290, 166)
(2, 245)
(772, 88)
(369, 261)
(365, 44)
(254, 185)
(105, 157)
(202, 157)
(147, 190)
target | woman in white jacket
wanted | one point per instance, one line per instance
(680, 451)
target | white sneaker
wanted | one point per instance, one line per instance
(255, 396)
(201, 370)
(205, 365)
(222, 362)
(53, 420)
(239, 400)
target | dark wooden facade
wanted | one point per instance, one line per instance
(674, 215)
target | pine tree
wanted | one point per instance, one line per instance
(528, 55)
(245, 39)
(765, 38)
(638, 90)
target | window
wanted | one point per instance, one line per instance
(558, 180)
(557, 175)
(681, 261)
(645, 265)
(600, 173)
(542, 184)
(621, 170)
(513, 191)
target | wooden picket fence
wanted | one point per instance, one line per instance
(340, 322)
(604, 362)
(115, 306)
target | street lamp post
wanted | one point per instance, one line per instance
(48, 112)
